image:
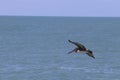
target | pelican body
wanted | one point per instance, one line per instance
(81, 48)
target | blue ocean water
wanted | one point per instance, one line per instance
(35, 48)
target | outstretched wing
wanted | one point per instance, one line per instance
(82, 47)
(71, 51)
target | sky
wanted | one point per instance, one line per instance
(82, 8)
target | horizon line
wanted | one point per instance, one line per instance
(57, 16)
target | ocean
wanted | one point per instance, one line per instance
(35, 48)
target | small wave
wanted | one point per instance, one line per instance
(91, 70)
(71, 68)
(12, 68)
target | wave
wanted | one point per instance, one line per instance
(99, 70)
(70, 68)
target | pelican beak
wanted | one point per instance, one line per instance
(93, 57)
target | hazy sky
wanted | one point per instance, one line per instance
(61, 7)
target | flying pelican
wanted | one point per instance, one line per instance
(81, 48)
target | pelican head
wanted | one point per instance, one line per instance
(89, 51)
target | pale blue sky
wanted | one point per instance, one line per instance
(109, 8)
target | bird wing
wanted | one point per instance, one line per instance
(82, 47)
(71, 51)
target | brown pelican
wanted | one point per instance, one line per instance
(81, 48)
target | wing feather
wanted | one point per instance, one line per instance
(82, 47)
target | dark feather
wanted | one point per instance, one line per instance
(80, 46)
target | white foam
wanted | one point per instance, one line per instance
(71, 68)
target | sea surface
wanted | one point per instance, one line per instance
(35, 48)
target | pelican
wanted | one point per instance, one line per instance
(81, 48)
